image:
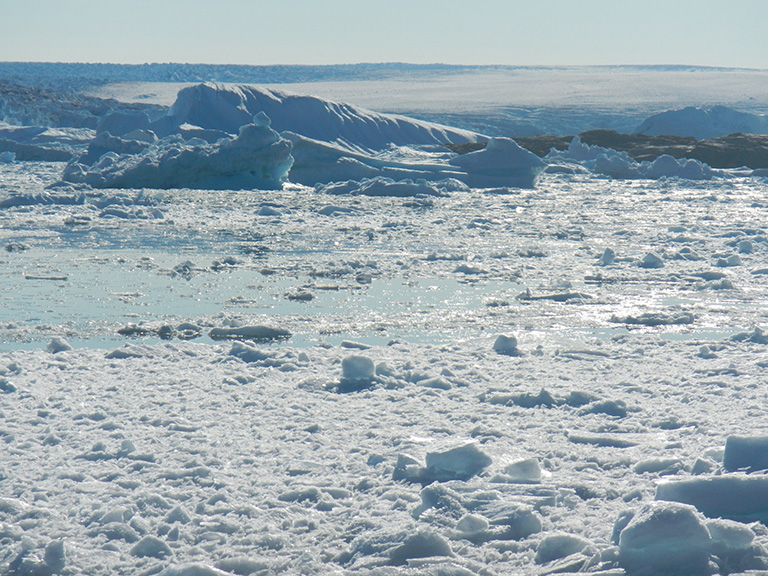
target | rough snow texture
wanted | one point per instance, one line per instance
(172, 368)
(665, 538)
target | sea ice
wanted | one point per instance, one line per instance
(665, 538)
(746, 453)
(731, 496)
(257, 332)
(381, 187)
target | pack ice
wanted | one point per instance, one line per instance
(403, 375)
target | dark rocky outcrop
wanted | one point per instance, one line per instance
(733, 151)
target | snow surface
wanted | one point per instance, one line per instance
(429, 378)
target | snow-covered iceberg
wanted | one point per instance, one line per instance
(257, 158)
(703, 123)
(223, 107)
(319, 141)
(501, 163)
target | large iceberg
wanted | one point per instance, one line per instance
(501, 163)
(226, 108)
(318, 141)
(703, 123)
(257, 158)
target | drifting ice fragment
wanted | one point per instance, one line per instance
(58, 344)
(192, 569)
(151, 547)
(650, 260)
(506, 345)
(748, 453)
(357, 373)
(459, 463)
(526, 471)
(607, 257)
(420, 545)
(249, 333)
(357, 368)
(735, 497)
(556, 546)
(665, 538)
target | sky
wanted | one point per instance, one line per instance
(727, 33)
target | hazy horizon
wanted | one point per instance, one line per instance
(301, 32)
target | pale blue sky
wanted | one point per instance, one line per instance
(515, 32)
